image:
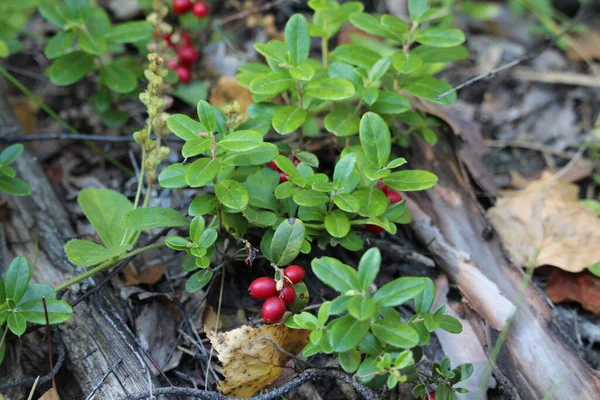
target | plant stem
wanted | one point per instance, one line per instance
(138, 193)
(325, 51)
(58, 119)
(106, 265)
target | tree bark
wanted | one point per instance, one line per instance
(536, 357)
(37, 227)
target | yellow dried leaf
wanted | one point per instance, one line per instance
(545, 224)
(227, 90)
(51, 394)
(250, 361)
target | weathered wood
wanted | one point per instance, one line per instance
(536, 357)
(38, 225)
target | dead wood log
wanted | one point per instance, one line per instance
(536, 357)
(37, 227)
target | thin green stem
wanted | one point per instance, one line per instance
(325, 51)
(140, 186)
(58, 119)
(106, 265)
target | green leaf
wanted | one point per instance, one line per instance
(271, 83)
(356, 55)
(390, 103)
(297, 38)
(274, 50)
(375, 139)
(424, 300)
(481, 10)
(379, 68)
(592, 204)
(337, 223)
(416, 9)
(58, 311)
(450, 324)
(203, 204)
(118, 78)
(411, 180)
(206, 115)
(241, 141)
(59, 44)
(84, 253)
(430, 88)
(393, 332)
(202, 171)
(70, 68)
(16, 323)
(56, 14)
(440, 37)
(346, 202)
(105, 208)
(335, 274)
(91, 38)
(14, 186)
(196, 146)
(191, 93)
(440, 55)
(17, 278)
(198, 280)
(257, 156)
(260, 218)
(308, 158)
(373, 202)
(184, 127)
(368, 267)
(350, 360)
(129, 32)
(232, 194)
(342, 123)
(330, 89)
(310, 198)
(371, 24)
(173, 176)
(347, 333)
(363, 308)
(287, 241)
(153, 217)
(11, 153)
(303, 71)
(288, 118)
(406, 63)
(398, 291)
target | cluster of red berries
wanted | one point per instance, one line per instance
(199, 8)
(186, 56)
(393, 197)
(265, 288)
(282, 175)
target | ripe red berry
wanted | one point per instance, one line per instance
(183, 73)
(200, 9)
(431, 395)
(181, 6)
(263, 288)
(287, 294)
(187, 55)
(185, 40)
(296, 161)
(272, 309)
(394, 197)
(172, 64)
(282, 177)
(384, 187)
(273, 166)
(374, 229)
(294, 273)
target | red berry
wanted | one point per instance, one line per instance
(287, 294)
(185, 40)
(374, 229)
(183, 73)
(187, 55)
(200, 9)
(172, 64)
(431, 395)
(263, 288)
(272, 165)
(384, 187)
(181, 6)
(282, 177)
(394, 197)
(294, 273)
(273, 309)
(296, 161)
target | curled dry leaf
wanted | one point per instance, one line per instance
(51, 394)
(583, 288)
(250, 359)
(545, 224)
(227, 90)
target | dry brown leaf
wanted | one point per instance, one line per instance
(583, 288)
(26, 112)
(51, 394)
(149, 276)
(227, 90)
(250, 361)
(587, 44)
(545, 224)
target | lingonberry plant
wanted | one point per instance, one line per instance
(8, 182)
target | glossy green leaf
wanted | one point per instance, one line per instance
(297, 38)
(173, 176)
(288, 118)
(350, 360)
(257, 156)
(363, 308)
(271, 83)
(14, 186)
(371, 24)
(118, 78)
(287, 241)
(342, 123)
(153, 217)
(373, 202)
(196, 146)
(232, 194)
(70, 68)
(91, 37)
(105, 208)
(424, 300)
(11, 153)
(59, 44)
(396, 333)
(346, 202)
(330, 89)
(417, 8)
(368, 267)
(203, 204)
(17, 278)
(130, 32)
(241, 141)
(303, 71)
(184, 127)
(337, 223)
(335, 274)
(398, 291)
(440, 37)
(440, 55)
(375, 139)
(84, 253)
(206, 116)
(16, 323)
(390, 103)
(198, 280)
(58, 311)
(202, 171)
(310, 198)
(347, 333)
(450, 324)
(406, 63)
(411, 180)
(430, 88)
